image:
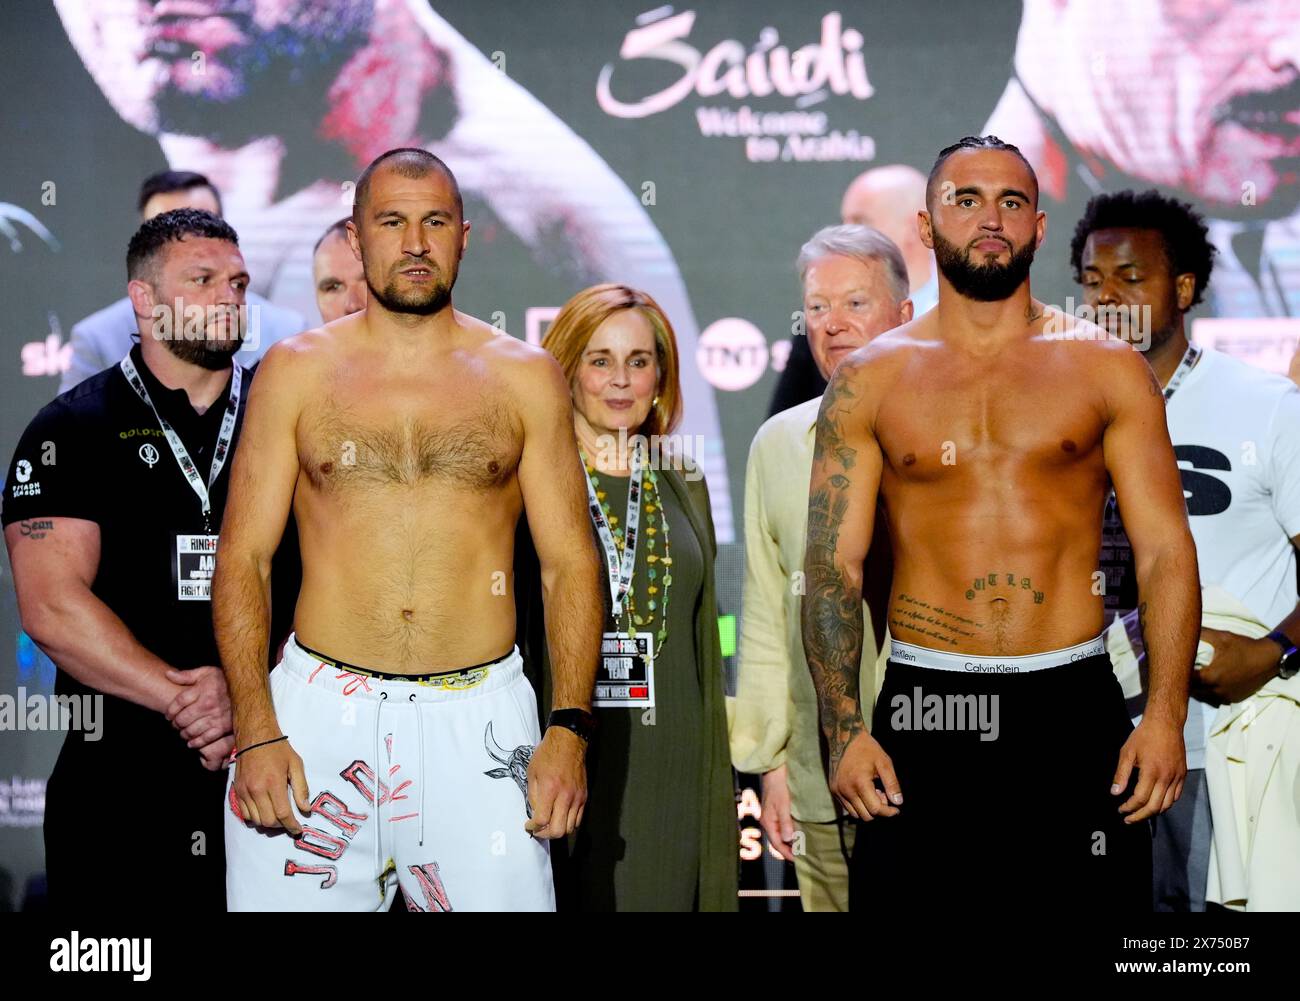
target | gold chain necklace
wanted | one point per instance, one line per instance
(655, 519)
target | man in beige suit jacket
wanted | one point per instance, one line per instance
(855, 287)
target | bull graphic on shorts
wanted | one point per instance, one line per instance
(514, 764)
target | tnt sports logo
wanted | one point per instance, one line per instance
(732, 354)
(148, 454)
(23, 471)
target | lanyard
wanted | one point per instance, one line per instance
(620, 573)
(178, 447)
(1190, 357)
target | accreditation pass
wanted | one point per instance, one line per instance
(196, 557)
(626, 676)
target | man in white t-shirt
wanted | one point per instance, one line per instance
(1236, 433)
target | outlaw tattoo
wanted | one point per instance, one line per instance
(1000, 584)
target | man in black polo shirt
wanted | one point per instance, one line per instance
(111, 510)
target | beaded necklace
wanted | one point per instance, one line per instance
(655, 519)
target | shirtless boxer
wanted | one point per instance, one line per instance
(408, 437)
(993, 427)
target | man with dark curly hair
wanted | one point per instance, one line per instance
(1145, 260)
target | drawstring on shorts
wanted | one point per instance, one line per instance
(379, 827)
(419, 730)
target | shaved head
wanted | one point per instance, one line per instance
(409, 162)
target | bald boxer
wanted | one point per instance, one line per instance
(407, 438)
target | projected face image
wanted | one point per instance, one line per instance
(284, 102)
(1199, 95)
(165, 65)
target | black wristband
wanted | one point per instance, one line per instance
(579, 721)
(254, 747)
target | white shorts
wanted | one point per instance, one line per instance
(448, 826)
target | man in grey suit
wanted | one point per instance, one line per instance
(102, 338)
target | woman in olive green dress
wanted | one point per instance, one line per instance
(659, 830)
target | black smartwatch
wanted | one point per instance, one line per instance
(579, 721)
(1289, 665)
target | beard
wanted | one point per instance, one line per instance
(415, 301)
(242, 97)
(212, 355)
(1158, 338)
(223, 335)
(982, 282)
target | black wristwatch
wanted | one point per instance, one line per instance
(579, 721)
(1289, 665)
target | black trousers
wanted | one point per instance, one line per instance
(1006, 797)
(135, 832)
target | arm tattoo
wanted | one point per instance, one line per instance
(832, 607)
(36, 528)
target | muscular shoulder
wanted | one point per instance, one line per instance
(1096, 354)
(1117, 365)
(62, 415)
(84, 410)
(532, 374)
(305, 347)
(1117, 373)
(863, 378)
(1087, 339)
(87, 400)
(292, 358)
(283, 380)
(528, 381)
